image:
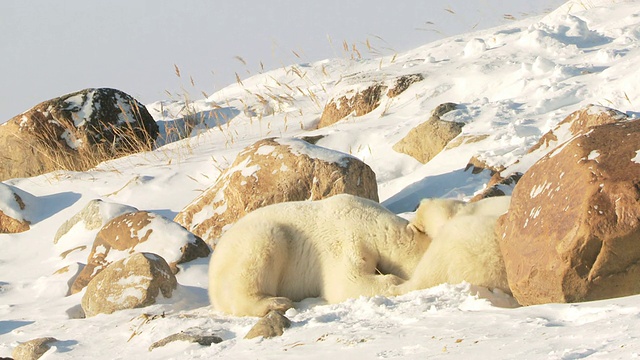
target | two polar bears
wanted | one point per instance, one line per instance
(345, 246)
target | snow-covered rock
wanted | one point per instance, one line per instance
(16, 207)
(75, 132)
(140, 231)
(130, 283)
(273, 171)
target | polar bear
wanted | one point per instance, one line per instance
(464, 245)
(337, 248)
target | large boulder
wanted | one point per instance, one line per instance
(75, 132)
(130, 283)
(426, 140)
(273, 171)
(140, 231)
(572, 232)
(15, 208)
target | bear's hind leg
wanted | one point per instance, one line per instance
(276, 303)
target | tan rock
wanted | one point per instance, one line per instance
(129, 283)
(74, 132)
(355, 100)
(140, 231)
(14, 217)
(572, 232)
(426, 140)
(273, 171)
(32, 349)
(576, 123)
(402, 83)
(498, 186)
(93, 217)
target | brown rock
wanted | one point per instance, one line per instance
(130, 283)
(273, 171)
(498, 186)
(402, 83)
(572, 232)
(426, 140)
(32, 349)
(93, 216)
(13, 209)
(578, 122)
(140, 231)
(74, 132)
(358, 102)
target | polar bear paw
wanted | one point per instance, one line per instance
(279, 304)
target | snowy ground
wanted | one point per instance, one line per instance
(513, 82)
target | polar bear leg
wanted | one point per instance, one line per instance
(358, 275)
(257, 263)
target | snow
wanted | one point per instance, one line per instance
(512, 84)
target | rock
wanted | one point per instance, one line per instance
(426, 140)
(140, 231)
(15, 206)
(269, 326)
(204, 340)
(402, 83)
(354, 99)
(130, 283)
(572, 232)
(93, 216)
(498, 186)
(576, 123)
(75, 132)
(478, 165)
(32, 349)
(273, 171)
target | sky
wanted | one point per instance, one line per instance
(52, 48)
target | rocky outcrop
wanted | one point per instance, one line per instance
(75, 132)
(402, 83)
(33, 349)
(426, 140)
(130, 283)
(572, 232)
(360, 100)
(273, 171)
(140, 231)
(15, 206)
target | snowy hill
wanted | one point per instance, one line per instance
(512, 83)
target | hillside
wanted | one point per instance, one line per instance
(511, 85)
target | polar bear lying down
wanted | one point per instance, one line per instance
(345, 246)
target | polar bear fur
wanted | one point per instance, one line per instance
(337, 248)
(464, 244)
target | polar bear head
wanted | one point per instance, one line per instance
(433, 213)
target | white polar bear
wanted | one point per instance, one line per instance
(464, 244)
(337, 248)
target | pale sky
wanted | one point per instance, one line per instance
(50, 48)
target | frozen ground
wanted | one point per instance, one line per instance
(513, 83)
